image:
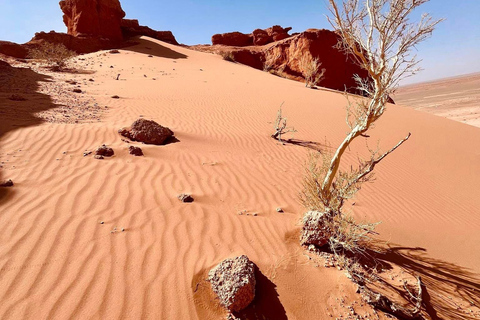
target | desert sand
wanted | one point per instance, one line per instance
(59, 261)
(456, 98)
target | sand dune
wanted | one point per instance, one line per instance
(58, 261)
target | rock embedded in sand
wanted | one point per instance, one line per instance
(136, 151)
(6, 183)
(147, 131)
(104, 151)
(315, 229)
(233, 281)
(184, 197)
(77, 90)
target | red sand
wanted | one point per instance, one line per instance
(58, 261)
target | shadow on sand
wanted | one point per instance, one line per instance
(149, 47)
(443, 282)
(266, 304)
(20, 111)
(449, 291)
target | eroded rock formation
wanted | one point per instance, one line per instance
(99, 18)
(275, 51)
(257, 37)
(132, 28)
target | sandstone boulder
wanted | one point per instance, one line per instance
(100, 18)
(147, 131)
(315, 229)
(233, 281)
(261, 37)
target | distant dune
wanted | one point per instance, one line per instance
(456, 98)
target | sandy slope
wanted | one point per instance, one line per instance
(456, 98)
(57, 261)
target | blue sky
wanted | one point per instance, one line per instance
(454, 48)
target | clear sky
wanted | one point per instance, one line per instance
(454, 48)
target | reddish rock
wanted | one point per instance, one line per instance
(136, 151)
(13, 49)
(278, 33)
(104, 151)
(147, 131)
(236, 39)
(283, 57)
(261, 37)
(100, 18)
(233, 281)
(131, 28)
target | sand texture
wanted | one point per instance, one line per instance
(456, 98)
(59, 261)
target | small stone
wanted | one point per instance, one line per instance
(115, 97)
(77, 90)
(150, 56)
(123, 229)
(91, 80)
(6, 183)
(98, 157)
(114, 51)
(185, 197)
(136, 151)
(102, 222)
(255, 214)
(279, 209)
(104, 151)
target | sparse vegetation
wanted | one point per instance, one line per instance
(280, 125)
(228, 56)
(55, 55)
(311, 70)
(380, 37)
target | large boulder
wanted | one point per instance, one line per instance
(147, 131)
(99, 18)
(233, 281)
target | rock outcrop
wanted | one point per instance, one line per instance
(13, 49)
(132, 28)
(147, 131)
(104, 151)
(258, 37)
(282, 56)
(136, 151)
(97, 18)
(233, 281)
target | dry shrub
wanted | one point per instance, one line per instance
(280, 125)
(311, 70)
(228, 56)
(55, 55)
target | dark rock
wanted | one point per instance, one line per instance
(115, 97)
(185, 198)
(147, 131)
(98, 157)
(233, 281)
(104, 151)
(136, 151)
(13, 49)
(6, 183)
(77, 90)
(114, 51)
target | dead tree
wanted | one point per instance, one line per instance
(280, 126)
(379, 36)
